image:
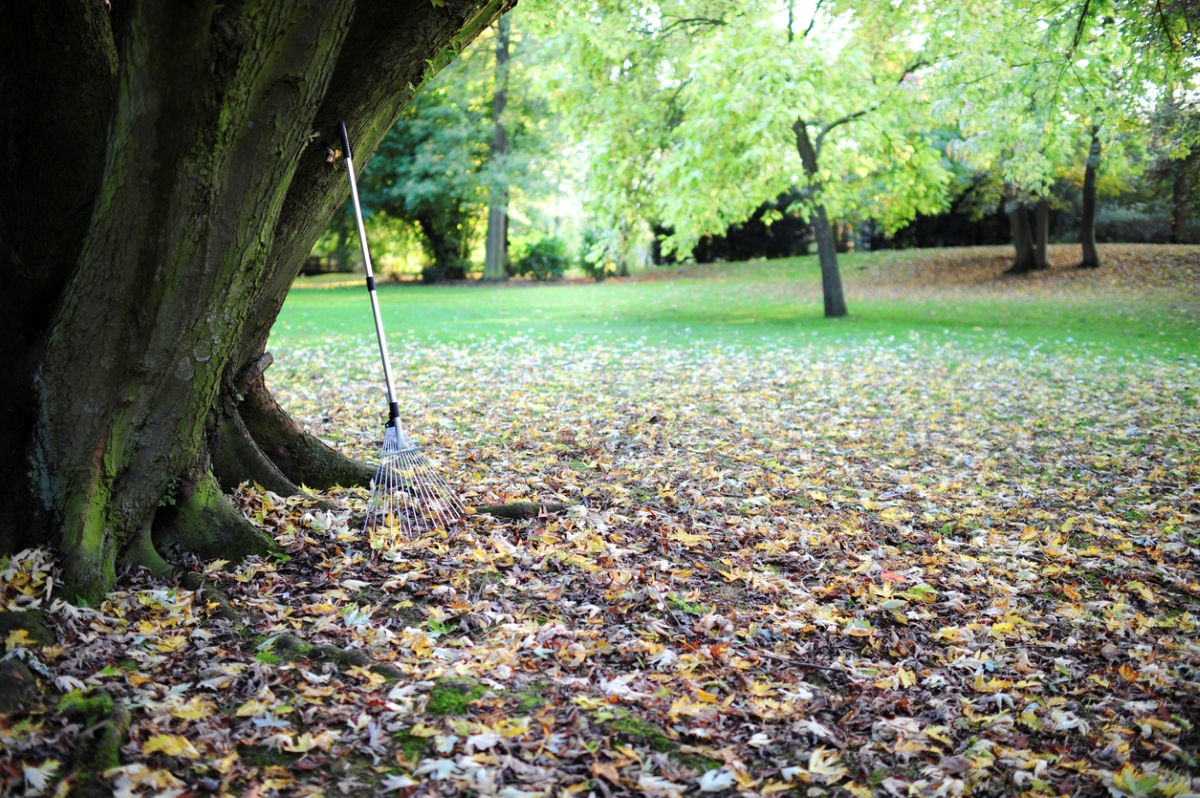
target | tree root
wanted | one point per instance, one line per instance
(107, 725)
(237, 457)
(292, 648)
(210, 594)
(300, 456)
(142, 552)
(18, 688)
(18, 685)
(518, 510)
(204, 521)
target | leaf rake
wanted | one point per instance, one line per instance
(408, 496)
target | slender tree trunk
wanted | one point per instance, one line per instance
(1018, 219)
(497, 235)
(1087, 227)
(831, 277)
(161, 187)
(1042, 255)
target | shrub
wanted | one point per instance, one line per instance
(544, 260)
(594, 258)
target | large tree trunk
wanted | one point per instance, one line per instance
(1018, 219)
(165, 175)
(497, 234)
(444, 231)
(1087, 227)
(831, 277)
(1042, 252)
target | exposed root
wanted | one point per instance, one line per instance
(207, 593)
(300, 456)
(237, 458)
(18, 689)
(293, 648)
(521, 509)
(106, 725)
(204, 521)
(142, 552)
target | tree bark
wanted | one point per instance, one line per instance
(1087, 227)
(1042, 254)
(831, 277)
(497, 234)
(341, 251)
(161, 187)
(1024, 262)
(1181, 194)
(445, 231)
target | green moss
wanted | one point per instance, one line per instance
(533, 697)
(412, 746)
(638, 730)
(452, 696)
(86, 705)
(261, 757)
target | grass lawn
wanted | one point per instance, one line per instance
(1144, 301)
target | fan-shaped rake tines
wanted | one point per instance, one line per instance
(408, 496)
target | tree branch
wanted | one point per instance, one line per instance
(811, 22)
(837, 123)
(710, 22)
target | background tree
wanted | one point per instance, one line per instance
(833, 107)
(168, 168)
(439, 167)
(1037, 104)
(497, 230)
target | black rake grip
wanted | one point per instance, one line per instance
(345, 140)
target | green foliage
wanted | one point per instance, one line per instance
(595, 258)
(545, 259)
(435, 171)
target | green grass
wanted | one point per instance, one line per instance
(773, 302)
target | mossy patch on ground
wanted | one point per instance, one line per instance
(453, 696)
(86, 706)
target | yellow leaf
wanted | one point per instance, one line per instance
(169, 645)
(999, 630)
(422, 730)
(307, 742)
(826, 763)
(17, 638)
(193, 710)
(858, 790)
(171, 745)
(938, 733)
(251, 708)
(706, 697)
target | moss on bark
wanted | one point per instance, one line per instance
(302, 457)
(204, 521)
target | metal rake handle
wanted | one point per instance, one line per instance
(393, 405)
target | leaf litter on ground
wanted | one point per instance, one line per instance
(889, 568)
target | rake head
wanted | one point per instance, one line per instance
(407, 496)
